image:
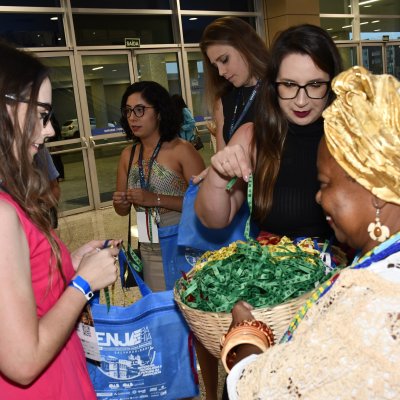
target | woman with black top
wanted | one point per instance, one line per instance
(235, 58)
(280, 148)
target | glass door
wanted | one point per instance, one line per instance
(106, 76)
(69, 147)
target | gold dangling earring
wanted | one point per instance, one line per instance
(376, 230)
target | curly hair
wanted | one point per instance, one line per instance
(22, 75)
(170, 119)
(235, 32)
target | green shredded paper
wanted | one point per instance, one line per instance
(262, 275)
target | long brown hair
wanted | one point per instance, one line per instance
(270, 125)
(240, 35)
(21, 76)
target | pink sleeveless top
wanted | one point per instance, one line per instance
(66, 377)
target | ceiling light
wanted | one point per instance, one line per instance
(54, 18)
(374, 22)
(377, 30)
(361, 3)
(96, 68)
(193, 19)
(329, 29)
(347, 26)
(364, 23)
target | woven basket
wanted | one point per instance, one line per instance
(208, 327)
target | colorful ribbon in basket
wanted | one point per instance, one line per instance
(261, 275)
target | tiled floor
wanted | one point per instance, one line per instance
(77, 229)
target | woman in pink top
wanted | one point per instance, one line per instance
(42, 287)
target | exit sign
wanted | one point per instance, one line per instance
(132, 42)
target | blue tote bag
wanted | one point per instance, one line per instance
(193, 234)
(146, 349)
(176, 259)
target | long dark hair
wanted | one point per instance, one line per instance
(235, 32)
(21, 76)
(159, 98)
(271, 125)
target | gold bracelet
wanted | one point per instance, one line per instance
(228, 355)
(254, 332)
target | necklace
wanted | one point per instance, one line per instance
(143, 182)
(378, 253)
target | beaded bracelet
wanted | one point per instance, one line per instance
(253, 332)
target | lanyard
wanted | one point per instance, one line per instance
(146, 184)
(143, 183)
(379, 253)
(235, 122)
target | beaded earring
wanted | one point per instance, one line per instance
(376, 230)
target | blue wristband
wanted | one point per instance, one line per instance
(83, 286)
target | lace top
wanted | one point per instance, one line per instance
(345, 348)
(162, 181)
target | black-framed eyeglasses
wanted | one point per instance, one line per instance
(137, 110)
(45, 116)
(314, 90)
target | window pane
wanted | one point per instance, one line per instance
(349, 56)
(393, 60)
(220, 5)
(375, 28)
(338, 28)
(193, 28)
(162, 68)
(372, 59)
(95, 30)
(107, 159)
(195, 61)
(106, 78)
(142, 4)
(29, 3)
(335, 6)
(381, 7)
(32, 30)
(74, 193)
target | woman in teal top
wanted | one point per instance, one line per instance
(188, 124)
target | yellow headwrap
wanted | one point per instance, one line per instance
(362, 130)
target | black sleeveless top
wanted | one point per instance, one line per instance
(294, 211)
(239, 95)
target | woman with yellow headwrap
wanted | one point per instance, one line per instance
(344, 343)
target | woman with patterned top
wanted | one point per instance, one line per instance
(344, 342)
(160, 166)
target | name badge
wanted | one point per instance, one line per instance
(147, 227)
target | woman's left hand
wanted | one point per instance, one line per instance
(141, 197)
(241, 311)
(78, 254)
